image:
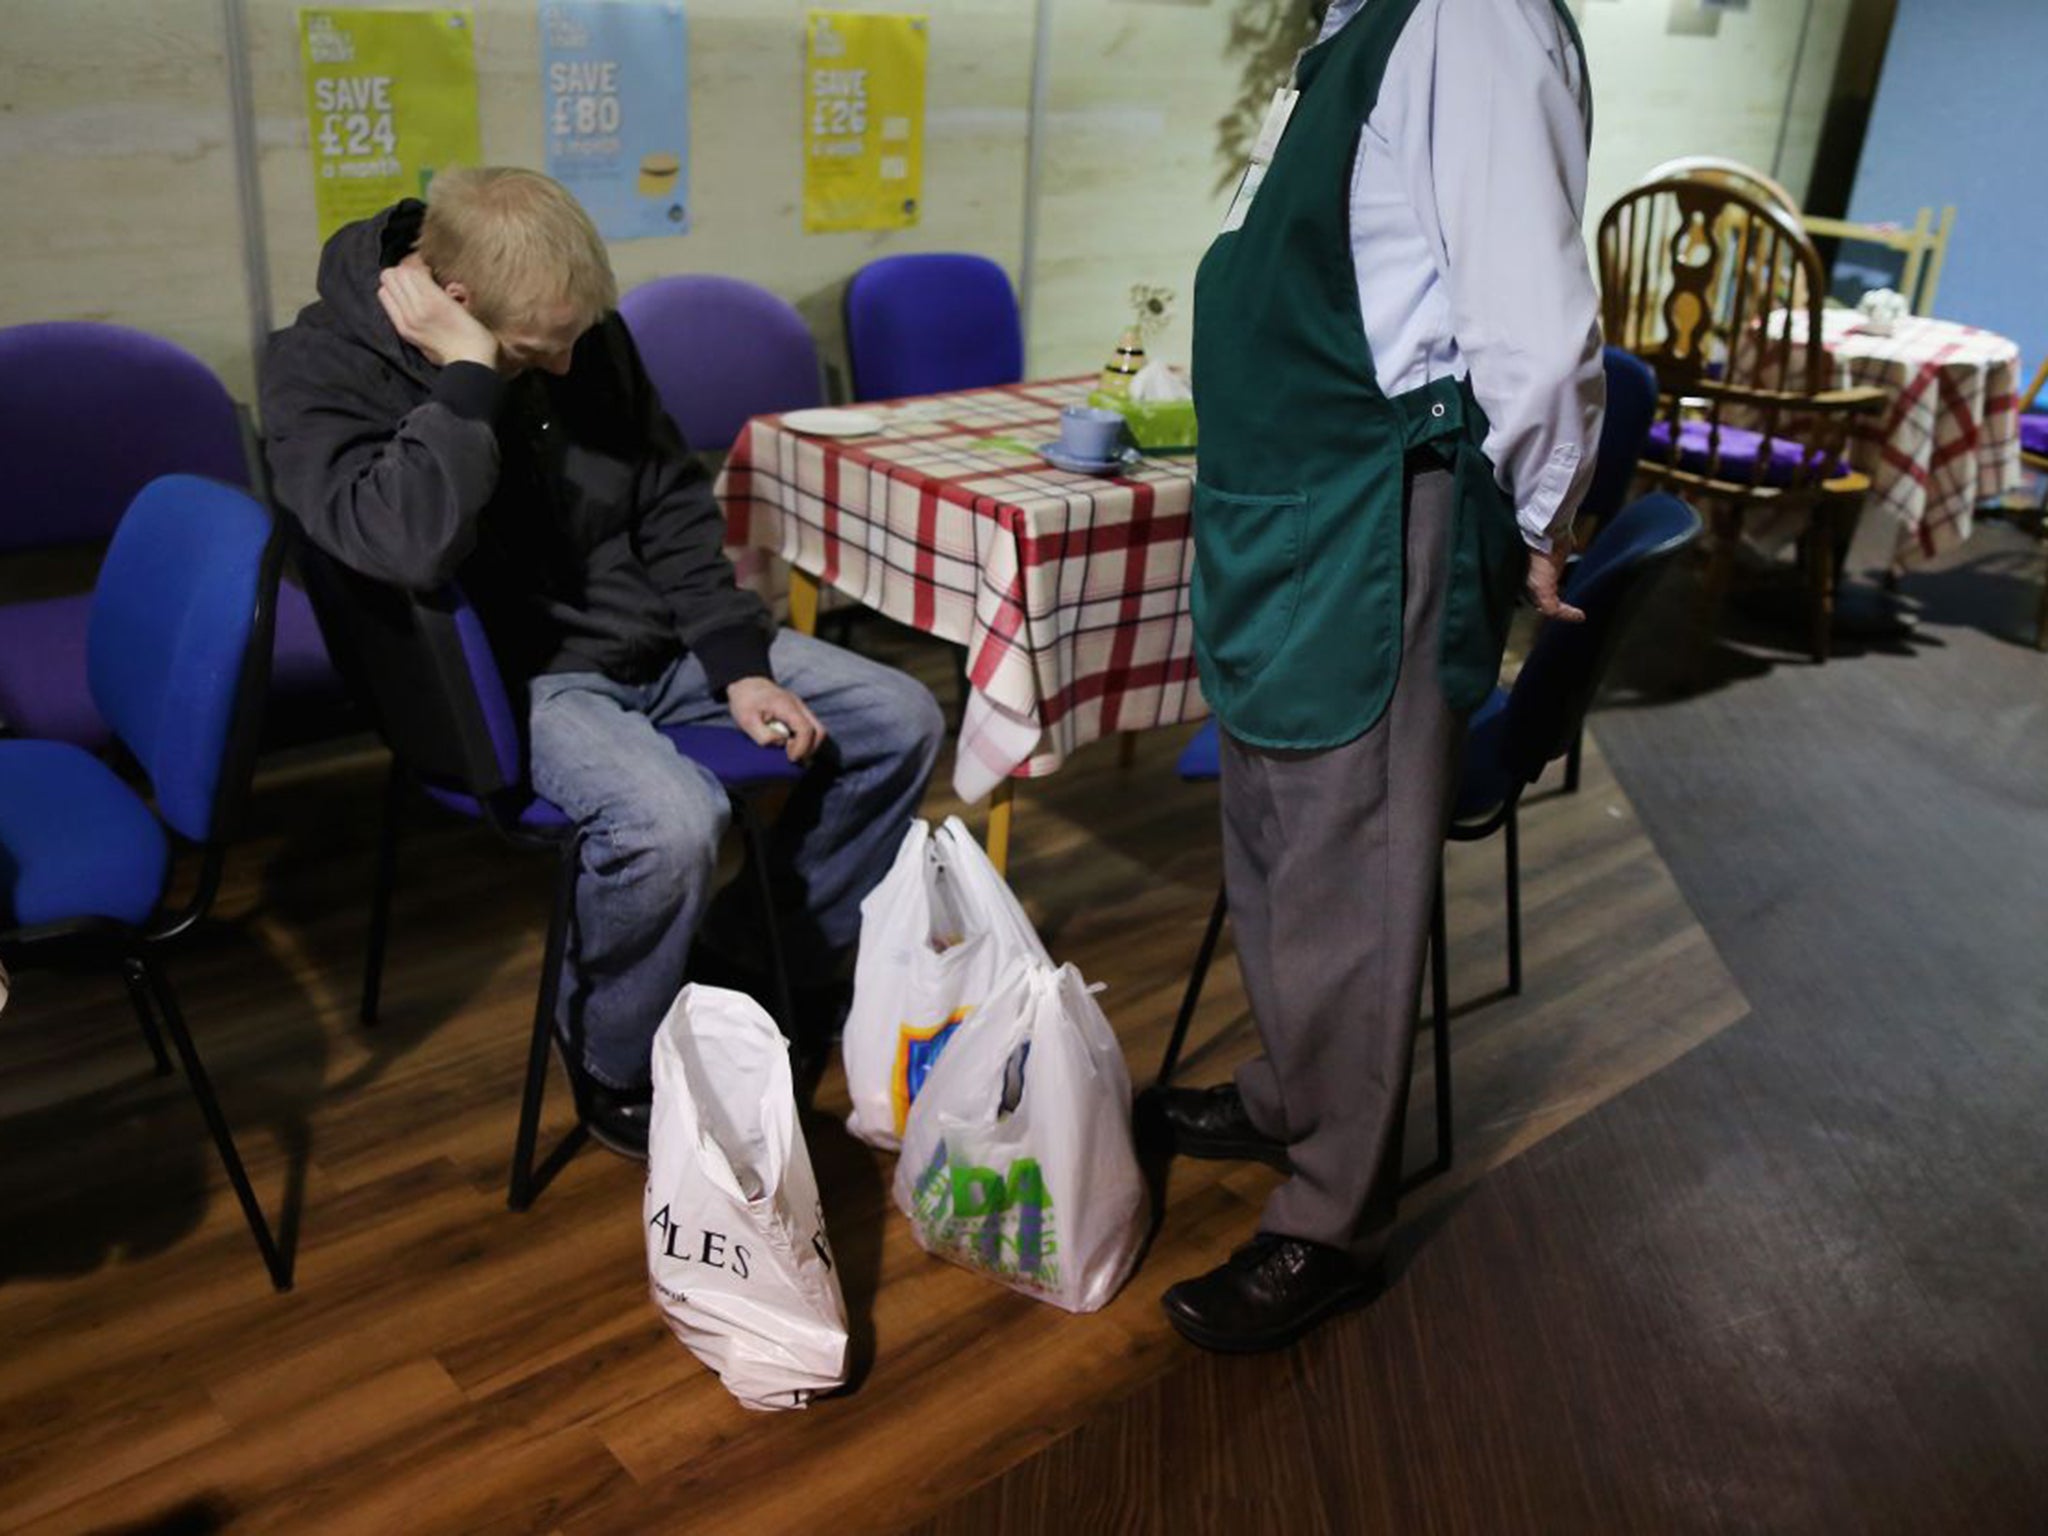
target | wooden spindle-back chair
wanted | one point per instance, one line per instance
(1720, 292)
(1923, 244)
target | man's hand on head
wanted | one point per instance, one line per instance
(1546, 580)
(775, 717)
(423, 313)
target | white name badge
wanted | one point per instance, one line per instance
(1263, 149)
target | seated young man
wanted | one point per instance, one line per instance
(464, 401)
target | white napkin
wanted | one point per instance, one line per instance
(1882, 309)
(1157, 382)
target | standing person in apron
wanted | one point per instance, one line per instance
(1398, 374)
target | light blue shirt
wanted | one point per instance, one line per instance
(1467, 201)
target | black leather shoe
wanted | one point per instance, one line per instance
(1211, 1122)
(1268, 1294)
(617, 1117)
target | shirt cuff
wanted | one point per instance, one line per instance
(470, 390)
(1546, 516)
(730, 654)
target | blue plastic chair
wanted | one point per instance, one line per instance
(922, 325)
(178, 656)
(720, 352)
(1624, 434)
(425, 667)
(1512, 737)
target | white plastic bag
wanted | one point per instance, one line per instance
(737, 1259)
(1017, 1160)
(935, 938)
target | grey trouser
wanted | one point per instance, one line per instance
(1331, 861)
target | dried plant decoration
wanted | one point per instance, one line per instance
(1152, 309)
(1267, 35)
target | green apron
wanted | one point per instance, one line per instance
(1303, 463)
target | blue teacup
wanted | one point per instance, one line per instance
(1088, 432)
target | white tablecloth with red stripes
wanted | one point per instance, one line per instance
(1070, 592)
(1948, 440)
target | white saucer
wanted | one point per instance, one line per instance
(828, 422)
(1059, 458)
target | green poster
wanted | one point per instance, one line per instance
(390, 100)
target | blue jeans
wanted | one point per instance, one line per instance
(652, 821)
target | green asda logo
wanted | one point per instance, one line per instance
(1001, 1222)
(985, 1192)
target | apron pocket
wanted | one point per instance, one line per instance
(1247, 575)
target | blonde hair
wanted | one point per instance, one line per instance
(518, 241)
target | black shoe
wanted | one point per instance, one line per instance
(1210, 1122)
(617, 1118)
(1268, 1294)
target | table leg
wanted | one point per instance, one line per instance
(1001, 802)
(1127, 750)
(803, 602)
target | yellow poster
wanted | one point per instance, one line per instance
(390, 100)
(863, 121)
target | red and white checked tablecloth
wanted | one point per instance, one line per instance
(1950, 437)
(1069, 591)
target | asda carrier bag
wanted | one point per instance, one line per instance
(935, 938)
(1017, 1159)
(737, 1258)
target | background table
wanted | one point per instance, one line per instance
(1949, 439)
(1070, 592)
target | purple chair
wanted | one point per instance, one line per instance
(424, 667)
(2034, 434)
(2034, 422)
(89, 415)
(2034, 455)
(921, 325)
(720, 352)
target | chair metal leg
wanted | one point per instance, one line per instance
(138, 994)
(1440, 1022)
(1193, 995)
(277, 1263)
(756, 839)
(1513, 830)
(385, 880)
(523, 1186)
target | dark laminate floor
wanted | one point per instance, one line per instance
(1798, 1280)
(447, 1366)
